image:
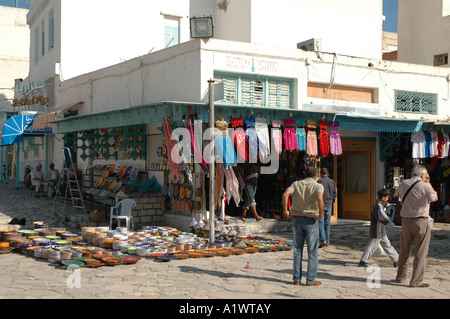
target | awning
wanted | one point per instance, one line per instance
(350, 122)
(14, 128)
(43, 121)
(154, 113)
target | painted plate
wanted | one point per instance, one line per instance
(182, 192)
(98, 182)
(117, 186)
(122, 171)
(128, 172)
(170, 190)
(181, 178)
(105, 174)
(188, 191)
(117, 170)
(112, 185)
(134, 173)
(112, 168)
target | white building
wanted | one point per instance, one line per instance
(14, 58)
(14, 64)
(343, 79)
(423, 32)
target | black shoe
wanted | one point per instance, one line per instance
(363, 264)
(396, 264)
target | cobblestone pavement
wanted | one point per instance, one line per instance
(249, 276)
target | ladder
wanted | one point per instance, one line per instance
(72, 189)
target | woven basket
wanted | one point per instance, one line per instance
(93, 263)
(112, 261)
(5, 250)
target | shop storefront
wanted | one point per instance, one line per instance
(428, 147)
(293, 139)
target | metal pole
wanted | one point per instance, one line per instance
(17, 166)
(211, 164)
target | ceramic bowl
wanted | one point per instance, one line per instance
(131, 259)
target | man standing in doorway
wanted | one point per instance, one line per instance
(416, 194)
(307, 208)
(251, 174)
(329, 197)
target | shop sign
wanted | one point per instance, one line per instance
(248, 64)
(42, 100)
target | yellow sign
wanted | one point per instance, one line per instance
(31, 101)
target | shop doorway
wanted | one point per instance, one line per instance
(357, 178)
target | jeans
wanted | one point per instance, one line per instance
(324, 225)
(249, 198)
(306, 228)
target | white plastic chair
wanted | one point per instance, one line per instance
(124, 208)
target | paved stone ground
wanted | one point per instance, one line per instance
(249, 276)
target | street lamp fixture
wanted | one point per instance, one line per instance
(202, 27)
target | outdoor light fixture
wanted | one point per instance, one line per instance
(202, 27)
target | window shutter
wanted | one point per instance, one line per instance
(51, 33)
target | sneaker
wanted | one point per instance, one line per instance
(363, 264)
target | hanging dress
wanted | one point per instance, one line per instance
(173, 155)
(418, 144)
(323, 139)
(289, 135)
(198, 156)
(252, 140)
(335, 139)
(232, 186)
(239, 139)
(311, 138)
(262, 131)
(224, 145)
(277, 137)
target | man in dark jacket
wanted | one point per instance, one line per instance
(329, 197)
(378, 236)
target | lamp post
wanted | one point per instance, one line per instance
(211, 163)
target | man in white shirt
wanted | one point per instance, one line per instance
(37, 179)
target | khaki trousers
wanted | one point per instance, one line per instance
(415, 232)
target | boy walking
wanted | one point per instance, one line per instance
(378, 236)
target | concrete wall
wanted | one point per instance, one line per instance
(14, 52)
(423, 30)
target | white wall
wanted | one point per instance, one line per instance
(345, 27)
(14, 52)
(423, 30)
(96, 34)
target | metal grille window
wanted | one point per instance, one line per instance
(255, 91)
(416, 102)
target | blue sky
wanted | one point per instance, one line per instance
(12, 3)
(390, 10)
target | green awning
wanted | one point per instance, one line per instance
(349, 122)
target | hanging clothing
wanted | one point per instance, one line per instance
(224, 145)
(173, 154)
(323, 139)
(428, 143)
(434, 144)
(301, 138)
(232, 186)
(277, 137)
(311, 138)
(262, 130)
(252, 141)
(198, 156)
(335, 139)
(418, 144)
(240, 142)
(289, 135)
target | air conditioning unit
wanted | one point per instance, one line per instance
(310, 45)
